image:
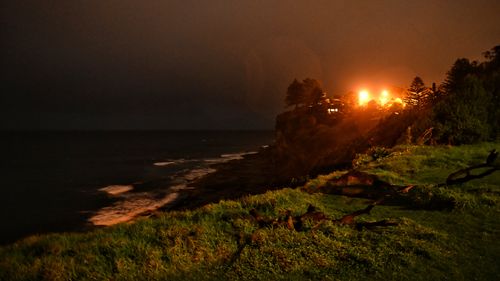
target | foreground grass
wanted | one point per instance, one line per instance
(221, 241)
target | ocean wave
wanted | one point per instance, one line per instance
(167, 163)
(237, 156)
(229, 157)
(133, 204)
(127, 210)
(116, 189)
(198, 173)
(181, 187)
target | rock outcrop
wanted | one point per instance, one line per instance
(308, 143)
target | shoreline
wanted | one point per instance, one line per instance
(254, 174)
(230, 176)
(53, 190)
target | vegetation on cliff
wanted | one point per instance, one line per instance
(320, 133)
(223, 241)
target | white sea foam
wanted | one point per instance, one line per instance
(130, 208)
(132, 205)
(198, 173)
(167, 163)
(237, 156)
(181, 187)
(214, 160)
(116, 189)
(229, 157)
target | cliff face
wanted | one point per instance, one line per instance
(308, 143)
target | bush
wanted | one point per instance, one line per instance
(462, 117)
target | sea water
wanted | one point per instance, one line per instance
(68, 181)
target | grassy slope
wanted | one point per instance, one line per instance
(461, 244)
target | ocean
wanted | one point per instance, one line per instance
(70, 181)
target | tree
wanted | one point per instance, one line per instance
(491, 77)
(313, 93)
(455, 77)
(462, 116)
(295, 94)
(308, 92)
(468, 108)
(417, 93)
(493, 57)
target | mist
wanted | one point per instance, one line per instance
(217, 65)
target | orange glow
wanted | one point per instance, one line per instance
(363, 98)
(400, 101)
(384, 97)
(384, 100)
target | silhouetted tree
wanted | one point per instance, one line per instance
(493, 57)
(313, 93)
(295, 94)
(462, 116)
(435, 95)
(468, 107)
(417, 93)
(455, 77)
(491, 80)
(308, 92)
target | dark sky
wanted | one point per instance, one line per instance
(217, 64)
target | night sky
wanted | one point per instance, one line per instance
(217, 64)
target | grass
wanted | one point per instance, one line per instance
(221, 241)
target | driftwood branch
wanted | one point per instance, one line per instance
(465, 175)
(356, 184)
(362, 185)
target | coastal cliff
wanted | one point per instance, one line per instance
(309, 142)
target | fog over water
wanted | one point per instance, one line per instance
(217, 64)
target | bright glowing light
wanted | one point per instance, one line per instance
(400, 101)
(384, 100)
(363, 97)
(384, 97)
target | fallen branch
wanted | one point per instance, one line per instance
(465, 175)
(362, 185)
